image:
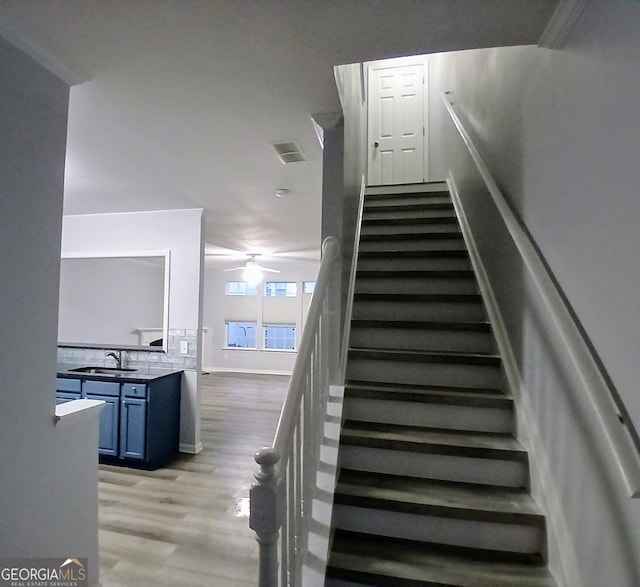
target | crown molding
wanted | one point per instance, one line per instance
(564, 18)
(16, 34)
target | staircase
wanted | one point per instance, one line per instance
(432, 488)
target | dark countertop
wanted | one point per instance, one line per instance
(141, 375)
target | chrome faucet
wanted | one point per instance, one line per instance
(117, 355)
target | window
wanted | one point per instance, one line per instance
(280, 337)
(241, 288)
(309, 287)
(241, 335)
(287, 289)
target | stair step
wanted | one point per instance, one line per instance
(362, 559)
(430, 393)
(421, 298)
(458, 307)
(469, 396)
(402, 260)
(411, 231)
(399, 207)
(482, 327)
(425, 367)
(415, 274)
(430, 410)
(481, 445)
(485, 458)
(422, 220)
(423, 235)
(414, 254)
(415, 283)
(460, 514)
(447, 499)
(417, 356)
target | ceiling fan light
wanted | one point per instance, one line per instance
(252, 274)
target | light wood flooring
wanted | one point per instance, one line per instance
(187, 525)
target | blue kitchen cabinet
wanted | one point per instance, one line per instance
(133, 421)
(108, 392)
(140, 421)
(67, 390)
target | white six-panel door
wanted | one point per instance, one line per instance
(396, 123)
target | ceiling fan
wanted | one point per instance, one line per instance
(252, 271)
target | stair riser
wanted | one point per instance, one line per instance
(452, 417)
(497, 472)
(517, 538)
(481, 376)
(414, 264)
(401, 202)
(418, 228)
(440, 311)
(411, 285)
(445, 244)
(400, 214)
(427, 340)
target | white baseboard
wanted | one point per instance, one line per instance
(192, 449)
(246, 371)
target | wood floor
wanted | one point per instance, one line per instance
(187, 525)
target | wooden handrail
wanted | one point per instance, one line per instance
(605, 401)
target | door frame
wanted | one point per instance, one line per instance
(401, 62)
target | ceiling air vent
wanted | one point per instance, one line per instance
(288, 152)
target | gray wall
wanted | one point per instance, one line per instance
(48, 501)
(560, 132)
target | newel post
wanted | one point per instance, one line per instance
(264, 517)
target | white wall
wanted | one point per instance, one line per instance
(49, 495)
(219, 358)
(180, 233)
(560, 132)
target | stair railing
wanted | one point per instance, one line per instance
(281, 498)
(612, 414)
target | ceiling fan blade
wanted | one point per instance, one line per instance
(235, 268)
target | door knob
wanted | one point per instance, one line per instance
(376, 144)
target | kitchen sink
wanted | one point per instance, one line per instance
(104, 370)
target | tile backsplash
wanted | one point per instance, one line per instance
(151, 362)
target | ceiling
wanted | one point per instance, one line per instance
(184, 97)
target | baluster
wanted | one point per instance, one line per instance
(264, 517)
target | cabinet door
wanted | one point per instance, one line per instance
(65, 396)
(133, 428)
(108, 439)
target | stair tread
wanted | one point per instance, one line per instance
(407, 206)
(415, 236)
(422, 220)
(439, 498)
(377, 560)
(437, 440)
(418, 297)
(356, 383)
(416, 273)
(369, 197)
(430, 253)
(479, 326)
(409, 393)
(412, 355)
